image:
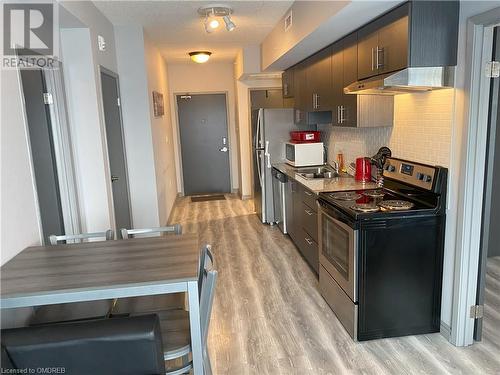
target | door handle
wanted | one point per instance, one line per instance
(267, 155)
(223, 149)
(308, 212)
(114, 178)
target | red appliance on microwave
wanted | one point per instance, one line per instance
(305, 136)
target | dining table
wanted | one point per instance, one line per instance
(89, 271)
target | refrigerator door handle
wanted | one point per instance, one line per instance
(267, 155)
(259, 172)
(257, 135)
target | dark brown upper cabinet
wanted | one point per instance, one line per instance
(266, 99)
(416, 34)
(355, 110)
(287, 82)
(318, 74)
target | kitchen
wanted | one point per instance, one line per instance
(315, 176)
(333, 159)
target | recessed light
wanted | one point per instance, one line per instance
(200, 57)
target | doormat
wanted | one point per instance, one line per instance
(204, 198)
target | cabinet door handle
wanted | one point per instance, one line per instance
(372, 58)
(307, 193)
(342, 118)
(338, 114)
(317, 101)
(309, 212)
(380, 64)
(285, 89)
(309, 241)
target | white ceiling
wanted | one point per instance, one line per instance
(176, 28)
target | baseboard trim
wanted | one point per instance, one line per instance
(246, 197)
(445, 330)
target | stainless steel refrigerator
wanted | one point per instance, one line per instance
(270, 130)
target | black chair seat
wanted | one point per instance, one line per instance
(71, 312)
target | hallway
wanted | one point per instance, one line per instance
(269, 317)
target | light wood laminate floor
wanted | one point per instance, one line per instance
(269, 317)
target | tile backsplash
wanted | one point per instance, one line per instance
(421, 131)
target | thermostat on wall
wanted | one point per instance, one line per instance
(101, 43)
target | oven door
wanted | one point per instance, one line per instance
(337, 251)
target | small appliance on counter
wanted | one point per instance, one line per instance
(363, 170)
(381, 252)
(304, 154)
(303, 136)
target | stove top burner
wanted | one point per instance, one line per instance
(396, 205)
(346, 196)
(365, 207)
(374, 193)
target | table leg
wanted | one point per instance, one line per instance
(195, 326)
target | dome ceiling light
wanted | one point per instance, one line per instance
(212, 13)
(200, 57)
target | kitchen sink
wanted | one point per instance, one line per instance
(317, 172)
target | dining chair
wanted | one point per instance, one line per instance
(76, 311)
(74, 238)
(130, 233)
(175, 323)
(155, 303)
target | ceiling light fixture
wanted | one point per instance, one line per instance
(212, 12)
(230, 26)
(200, 57)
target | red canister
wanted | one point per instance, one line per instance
(363, 170)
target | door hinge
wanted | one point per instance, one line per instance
(47, 98)
(493, 69)
(476, 311)
(118, 102)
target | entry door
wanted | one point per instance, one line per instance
(116, 149)
(204, 143)
(490, 250)
(42, 152)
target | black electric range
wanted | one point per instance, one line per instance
(381, 252)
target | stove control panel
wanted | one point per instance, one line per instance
(416, 174)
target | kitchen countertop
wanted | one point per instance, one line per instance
(320, 185)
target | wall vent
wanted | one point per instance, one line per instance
(288, 21)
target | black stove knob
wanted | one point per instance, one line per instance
(392, 168)
(420, 176)
(427, 178)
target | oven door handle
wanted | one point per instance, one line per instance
(342, 223)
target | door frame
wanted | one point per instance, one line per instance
(471, 186)
(178, 145)
(102, 69)
(63, 146)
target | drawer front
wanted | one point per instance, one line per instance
(340, 303)
(309, 198)
(310, 221)
(309, 249)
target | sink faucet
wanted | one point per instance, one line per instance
(335, 166)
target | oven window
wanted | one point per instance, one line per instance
(290, 152)
(335, 245)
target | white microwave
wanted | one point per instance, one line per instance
(304, 154)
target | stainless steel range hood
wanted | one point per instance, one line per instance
(405, 81)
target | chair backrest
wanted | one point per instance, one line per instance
(89, 347)
(206, 285)
(206, 263)
(206, 303)
(74, 238)
(131, 233)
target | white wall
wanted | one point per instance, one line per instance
(162, 132)
(20, 226)
(204, 78)
(86, 130)
(81, 60)
(137, 126)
